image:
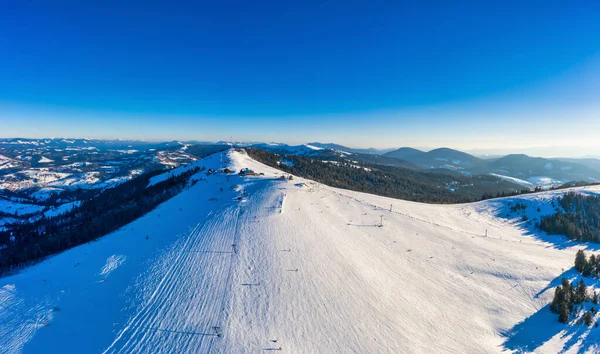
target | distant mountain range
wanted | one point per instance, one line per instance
(63, 143)
(438, 158)
(347, 149)
(537, 171)
(517, 168)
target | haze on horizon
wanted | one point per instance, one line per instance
(493, 78)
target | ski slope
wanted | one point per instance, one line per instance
(259, 264)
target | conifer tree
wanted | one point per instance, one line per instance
(587, 269)
(564, 313)
(580, 292)
(566, 285)
(557, 300)
(593, 263)
(588, 319)
(580, 260)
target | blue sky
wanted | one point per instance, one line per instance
(361, 73)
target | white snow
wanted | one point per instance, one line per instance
(45, 193)
(182, 169)
(12, 207)
(298, 266)
(45, 160)
(313, 147)
(61, 209)
(112, 263)
(514, 180)
(30, 178)
(6, 162)
(545, 182)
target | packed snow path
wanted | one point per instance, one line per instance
(260, 264)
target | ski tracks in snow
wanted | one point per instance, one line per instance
(185, 309)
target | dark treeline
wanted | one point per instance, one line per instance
(95, 217)
(588, 267)
(538, 189)
(580, 220)
(568, 296)
(502, 194)
(568, 300)
(203, 150)
(389, 181)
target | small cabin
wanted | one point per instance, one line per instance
(247, 172)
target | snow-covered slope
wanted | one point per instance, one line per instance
(247, 265)
(514, 180)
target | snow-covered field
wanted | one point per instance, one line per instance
(514, 180)
(248, 265)
(12, 207)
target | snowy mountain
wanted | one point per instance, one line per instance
(438, 158)
(593, 163)
(535, 168)
(63, 143)
(533, 171)
(246, 264)
(407, 153)
(339, 147)
(39, 176)
(301, 150)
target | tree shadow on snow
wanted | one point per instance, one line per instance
(569, 274)
(558, 242)
(533, 332)
(537, 329)
(503, 211)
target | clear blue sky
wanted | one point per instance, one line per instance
(364, 73)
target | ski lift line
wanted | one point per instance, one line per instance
(436, 224)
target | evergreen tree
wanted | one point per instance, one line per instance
(592, 263)
(580, 292)
(580, 260)
(595, 298)
(564, 313)
(588, 319)
(587, 269)
(557, 300)
(566, 285)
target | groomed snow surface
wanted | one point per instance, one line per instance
(261, 264)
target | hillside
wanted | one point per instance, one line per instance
(333, 146)
(251, 264)
(43, 177)
(388, 180)
(522, 169)
(438, 158)
(526, 167)
(407, 153)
